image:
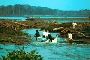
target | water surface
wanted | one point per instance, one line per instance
(51, 51)
(59, 21)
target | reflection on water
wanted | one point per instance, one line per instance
(51, 51)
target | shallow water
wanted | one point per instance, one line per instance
(51, 51)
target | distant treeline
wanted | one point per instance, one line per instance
(21, 10)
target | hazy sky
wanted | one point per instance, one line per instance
(54, 4)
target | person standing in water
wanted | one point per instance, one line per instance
(47, 33)
(37, 34)
(74, 25)
(69, 37)
(50, 37)
(44, 33)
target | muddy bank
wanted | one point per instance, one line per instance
(9, 19)
(67, 18)
(19, 25)
(81, 32)
(10, 31)
(6, 38)
(18, 40)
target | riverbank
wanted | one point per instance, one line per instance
(43, 18)
(81, 31)
(10, 31)
(10, 34)
(60, 18)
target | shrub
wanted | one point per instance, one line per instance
(21, 55)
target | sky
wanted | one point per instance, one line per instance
(54, 4)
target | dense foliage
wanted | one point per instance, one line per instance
(22, 55)
(23, 10)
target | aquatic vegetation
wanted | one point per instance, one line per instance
(6, 39)
(12, 32)
(13, 36)
(22, 55)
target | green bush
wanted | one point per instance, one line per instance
(22, 55)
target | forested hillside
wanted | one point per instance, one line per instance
(22, 10)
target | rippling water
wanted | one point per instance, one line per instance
(59, 51)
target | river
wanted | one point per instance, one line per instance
(51, 51)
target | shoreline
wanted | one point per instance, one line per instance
(19, 25)
(62, 19)
(50, 18)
